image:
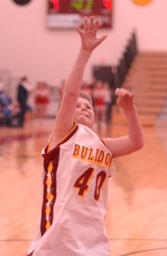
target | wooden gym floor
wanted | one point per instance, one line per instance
(137, 210)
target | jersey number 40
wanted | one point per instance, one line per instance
(83, 182)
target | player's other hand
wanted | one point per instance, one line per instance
(124, 99)
(88, 33)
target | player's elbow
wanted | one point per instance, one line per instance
(139, 144)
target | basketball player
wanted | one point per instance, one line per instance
(77, 165)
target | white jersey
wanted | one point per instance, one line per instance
(75, 197)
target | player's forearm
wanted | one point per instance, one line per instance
(74, 80)
(136, 136)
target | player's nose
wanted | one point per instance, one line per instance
(84, 109)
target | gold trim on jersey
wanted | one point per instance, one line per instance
(66, 137)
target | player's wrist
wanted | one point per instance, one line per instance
(86, 50)
(129, 109)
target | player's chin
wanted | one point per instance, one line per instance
(84, 120)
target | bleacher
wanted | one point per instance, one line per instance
(146, 77)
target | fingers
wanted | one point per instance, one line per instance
(79, 30)
(88, 33)
(94, 23)
(123, 95)
(101, 39)
(90, 24)
(123, 92)
(85, 24)
(97, 24)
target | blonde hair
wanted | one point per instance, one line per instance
(86, 96)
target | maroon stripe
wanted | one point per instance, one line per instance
(52, 155)
(53, 188)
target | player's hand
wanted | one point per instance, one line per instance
(88, 33)
(124, 99)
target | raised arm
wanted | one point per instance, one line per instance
(65, 115)
(135, 138)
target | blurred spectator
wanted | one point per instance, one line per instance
(23, 90)
(1, 103)
(42, 99)
(8, 111)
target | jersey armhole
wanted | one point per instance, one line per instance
(104, 140)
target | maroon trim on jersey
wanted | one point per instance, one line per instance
(105, 144)
(52, 155)
(103, 141)
(30, 254)
(67, 137)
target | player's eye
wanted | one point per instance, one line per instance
(78, 105)
(88, 107)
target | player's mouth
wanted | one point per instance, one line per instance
(82, 114)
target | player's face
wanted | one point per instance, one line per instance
(84, 113)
